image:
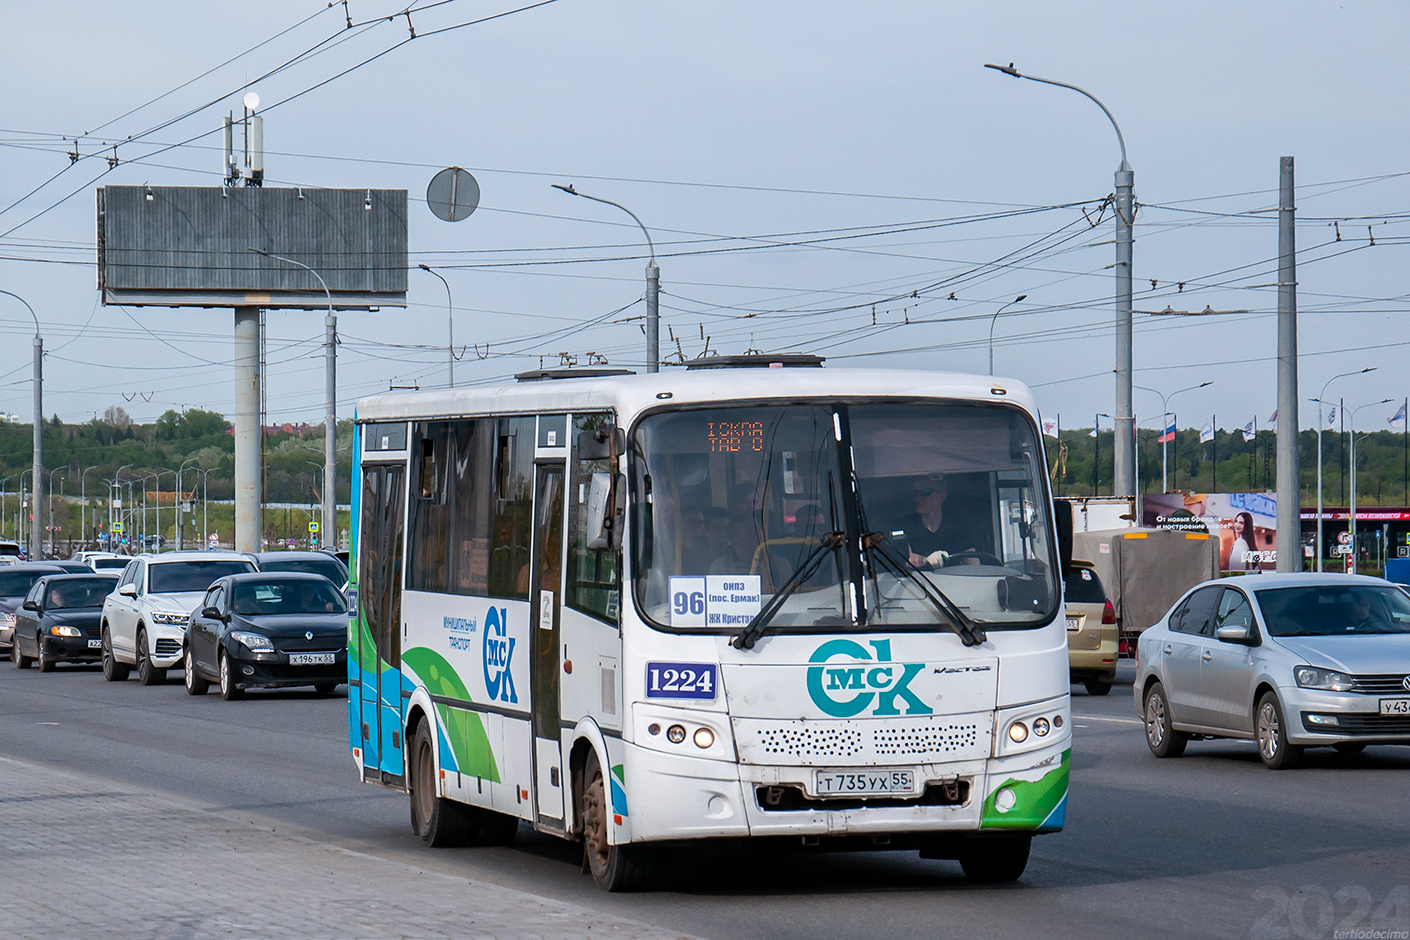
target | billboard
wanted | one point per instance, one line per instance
(189, 246)
(1246, 524)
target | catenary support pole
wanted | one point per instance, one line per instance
(1289, 489)
(249, 500)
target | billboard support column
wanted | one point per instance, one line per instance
(249, 499)
(1289, 490)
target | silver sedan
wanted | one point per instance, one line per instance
(1291, 661)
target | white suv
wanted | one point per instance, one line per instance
(145, 618)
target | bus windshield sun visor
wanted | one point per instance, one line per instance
(747, 637)
(969, 633)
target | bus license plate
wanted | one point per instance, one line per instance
(312, 659)
(1395, 706)
(842, 783)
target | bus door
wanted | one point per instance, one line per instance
(379, 631)
(544, 598)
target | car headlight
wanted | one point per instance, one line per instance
(64, 630)
(254, 642)
(170, 618)
(1310, 677)
(7, 620)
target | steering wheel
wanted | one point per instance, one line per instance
(984, 558)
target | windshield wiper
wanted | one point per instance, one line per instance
(969, 633)
(747, 637)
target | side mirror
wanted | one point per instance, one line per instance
(601, 443)
(211, 613)
(1234, 634)
(1062, 519)
(34, 606)
(128, 590)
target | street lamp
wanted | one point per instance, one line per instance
(180, 542)
(1319, 400)
(51, 507)
(36, 541)
(653, 283)
(994, 319)
(1165, 409)
(1125, 474)
(1097, 447)
(3, 481)
(1351, 521)
(158, 478)
(83, 506)
(450, 326)
(205, 520)
(330, 405)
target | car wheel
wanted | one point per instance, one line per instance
(20, 660)
(436, 821)
(113, 670)
(324, 688)
(1273, 746)
(147, 674)
(45, 663)
(1349, 748)
(229, 690)
(1161, 736)
(613, 867)
(1098, 686)
(195, 685)
(1002, 858)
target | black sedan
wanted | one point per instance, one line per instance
(268, 630)
(15, 583)
(59, 620)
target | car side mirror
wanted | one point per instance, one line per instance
(34, 606)
(128, 590)
(1062, 520)
(1234, 634)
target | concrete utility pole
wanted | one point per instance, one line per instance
(329, 535)
(36, 531)
(653, 284)
(1289, 541)
(1124, 450)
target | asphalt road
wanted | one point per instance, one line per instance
(1210, 845)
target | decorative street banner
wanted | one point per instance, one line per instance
(1246, 523)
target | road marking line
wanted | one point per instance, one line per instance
(1119, 721)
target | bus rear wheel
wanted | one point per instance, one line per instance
(613, 867)
(1001, 858)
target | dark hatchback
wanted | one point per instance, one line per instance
(268, 630)
(15, 583)
(60, 620)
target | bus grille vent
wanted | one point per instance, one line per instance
(933, 739)
(811, 742)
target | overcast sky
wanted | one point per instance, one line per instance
(737, 130)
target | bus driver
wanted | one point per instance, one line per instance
(932, 535)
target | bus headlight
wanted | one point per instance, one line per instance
(1018, 732)
(704, 737)
(675, 734)
(1041, 727)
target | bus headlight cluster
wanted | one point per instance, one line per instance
(1040, 727)
(704, 738)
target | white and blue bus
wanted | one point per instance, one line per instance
(755, 598)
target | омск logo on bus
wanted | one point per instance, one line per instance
(499, 653)
(846, 689)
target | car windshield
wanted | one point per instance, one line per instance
(286, 597)
(18, 583)
(328, 567)
(732, 502)
(184, 577)
(85, 592)
(1334, 610)
(1082, 586)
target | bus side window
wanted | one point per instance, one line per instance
(592, 572)
(513, 509)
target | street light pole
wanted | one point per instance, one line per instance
(83, 506)
(35, 536)
(1165, 408)
(180, 542)
(330, 406)
(1351, 516)
(994, 319)
(653, 283)
(450, 326)
(1319, 399)
(1125, 434)
(51, 507)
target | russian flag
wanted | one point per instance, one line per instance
(1169, 434)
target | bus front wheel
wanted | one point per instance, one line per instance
(1000, 858)
(613, 867)
(436, 821)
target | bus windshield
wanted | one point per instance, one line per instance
(735, 505)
